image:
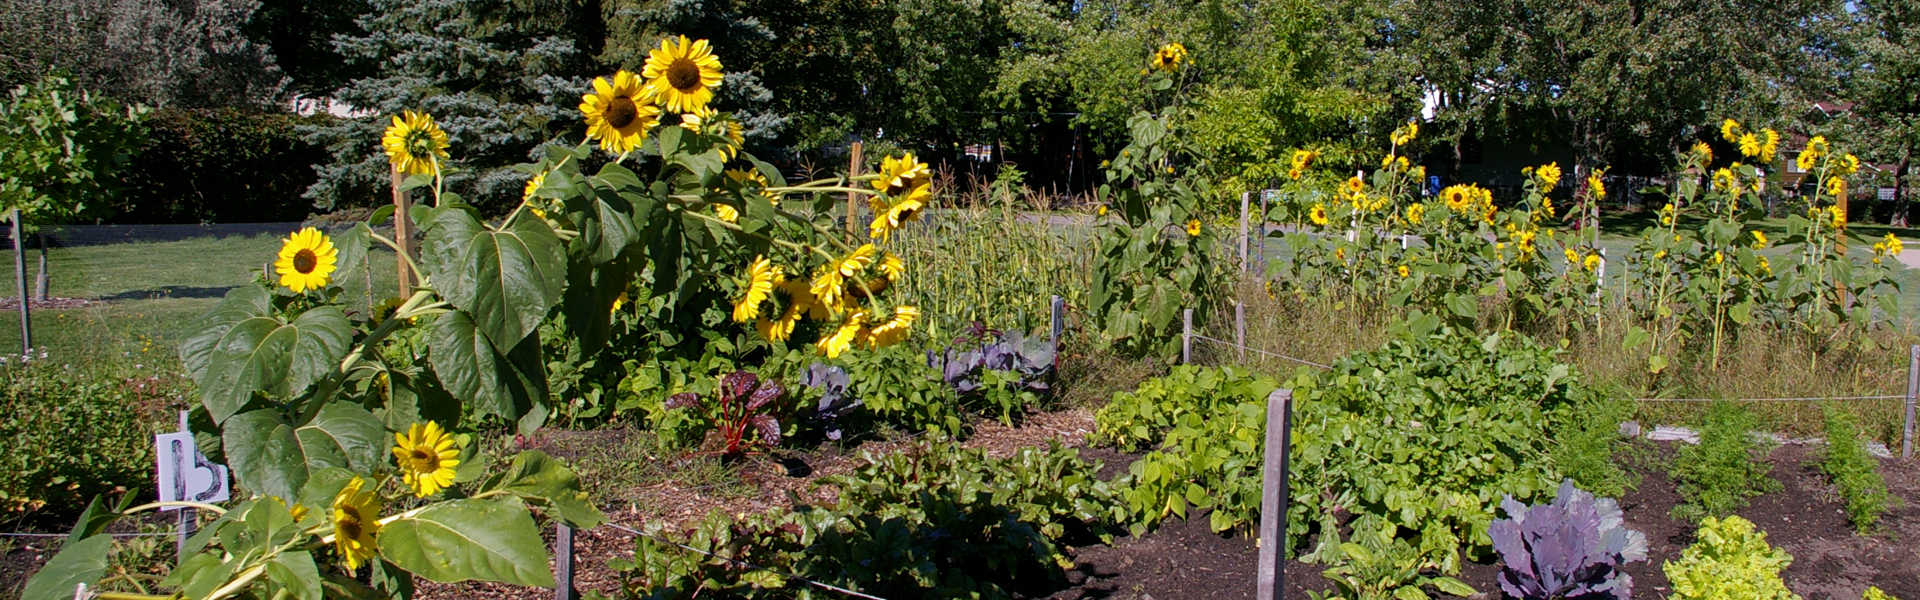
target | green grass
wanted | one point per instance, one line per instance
(144, 293)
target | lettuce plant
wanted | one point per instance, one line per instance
(1573, 547)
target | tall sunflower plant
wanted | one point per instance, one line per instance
(1155, 255)
(339, 427)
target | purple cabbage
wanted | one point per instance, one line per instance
(834, 403)
(960, 365)
(1571, 548)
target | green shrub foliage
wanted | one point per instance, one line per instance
(74, 434)
(1720, 474)
(1853, 471)
(1589, 445)
(220, 166)
(933, 520)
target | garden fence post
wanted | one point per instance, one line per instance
(402, 233)
(1274, 493)
(1056, 322)
(1240, 328)
(853, 170)
(1186, 336)
(188, 520)
(563, 562)
(1246, 199)
(20, 279)
(1913, 390)
(1263, 234)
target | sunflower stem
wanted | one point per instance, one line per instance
(246, 578)
(129, 596)
(738, 228)
(180, 503)
(403, 255)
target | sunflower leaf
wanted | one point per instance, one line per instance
(240, 304)
(78, 562)
(472, 369)
(261, 353)
(345, 435)
(460, 540)
(505, 279)
(544, 480)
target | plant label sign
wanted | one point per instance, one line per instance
(185, 474)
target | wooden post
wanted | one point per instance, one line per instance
(853, 209)
(1056, 322)
(1240, 328)
(563, 562)
(402, 233)
(20, 279)
(1272, 578)
(1186, 336)
(1913, 391)
(1263, 234)
(1246, 201)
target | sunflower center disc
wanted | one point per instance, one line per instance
(621, 112)
(350, 525)
(304, 261)
(423, 460)
(683, 75)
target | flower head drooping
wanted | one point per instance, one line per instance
(1749, 145)
(1839, 217)
(851, 330)
(356, 518)
(906, 185)
(1193, 228)
(1850, 164)
(427, 456)
(1548, 175)
(1816, 148)
(1730, 130)
(894, 330)
(762, 275)
(682, 74)
(619, 112)
(1317, 214)
(1170, 56)
(1705, 152)
(830, 284)
(1770, 147)
(1595, 185)
(1406, 133)
(415, 144)
(307, 261)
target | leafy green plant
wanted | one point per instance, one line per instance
(87, 434)
(1380, 565)
(932, 520)
(997, 371)
(1719, 475)
(1874, 593)
(979, 265)
(1854, 472)
(742, 404)
(1731, 561)
(1588, 446)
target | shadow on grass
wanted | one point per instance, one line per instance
(172, 291)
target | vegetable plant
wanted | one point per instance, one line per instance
(1730, 561)
(741, 405)
(1854, 472)
(1720, 474)
(996, 370)
(1573, 547)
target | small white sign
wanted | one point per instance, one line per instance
(1886, 194)
(185, 473)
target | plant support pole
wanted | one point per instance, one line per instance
(1273, 497)
(1246, 199)
(853, 170)
(401, 234)
(563, 562)
(1240, 328)
(1186, 336)
(188, 520)
(1913, 390)
(20, 280)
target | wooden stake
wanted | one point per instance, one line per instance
(20, 279)
(563, 563)
(1271, 581)
(853, 170)
(1186, 336)
(1246, 199)
(1913, 391)
(402, 233)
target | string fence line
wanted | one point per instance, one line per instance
(825, 586)
(61, 535)
(1261, 352)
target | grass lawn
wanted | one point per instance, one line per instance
(146, 292)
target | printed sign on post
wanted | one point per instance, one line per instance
(185, 473)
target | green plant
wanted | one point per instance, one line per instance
(1587, 446)
(1856, 473)
(931, 520)
(741, 404)
(978, 265)
(1719, 475)
(76, 433)
(1731, 561)
(1874, 593)
(1380, 565)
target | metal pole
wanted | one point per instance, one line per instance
(1186, 336)
(188, 520)
(1246, 200)
(1274, 493)
(563, 562)
(20, 279)
(1913, 390)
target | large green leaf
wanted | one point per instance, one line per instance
(591, 291)
(78, 562)
(605, 215)
(273, 458)
(204, 333)
(296, 573)
(415, 396)
(344, 435)
(263, 354)
(352, 258)
(469, 539)
(506, 280)
(471, 368)
(539, 478)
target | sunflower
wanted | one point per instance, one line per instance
(1836, 187)
(843, 338)
(894, 268)
(1317, 213)
(1416, 212)
(1894, 246)
(1704, 151)
(1592, 262)
(1354, 185)
(1404, 271)
(1524, 241)
(888, 217)
(726, 213)
(1193, 228)
(1666, 214)
(1759, 239)
(1303, 159)
(1730, 130)
(1771, 146)
(1749, 145)
(1596, 186)
(619, 302)
(1170, 56)
(1767, 268)
(1726, 181)
(1405, 135)
(894, 330)
(1850, 164)
(427, 456)
(1101, 212)
(1458, 197)
(415, 144)
(306, 261)
(356, 518)
(762, 275)
(681, 74)
(901, 175)
(692, 120)
(1573, 256)
(533, 186)
(1838, 216)
(1549, 175)
(830, 284)
(619, 112)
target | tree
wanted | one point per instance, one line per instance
(61, 148)
(1885, 86)
(300, 33)
(185, 53)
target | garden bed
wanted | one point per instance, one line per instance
(1182, 559)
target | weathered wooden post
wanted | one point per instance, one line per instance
(853, 170)
(188, 520)
(1273, 497)
(1186, 336)
(563, 562)
(1056, 322)
(402, 232)
(1246, 201)
(1913, 390)
(1240, 328)
(20, 279)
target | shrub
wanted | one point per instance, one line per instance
(72, 434)
(931, 520)
(1853, 471)
(220, 166)
(1572, 548)
(1719, 475)
(1731, 561)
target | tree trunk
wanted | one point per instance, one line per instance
(1900, 188)
(40, 281)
